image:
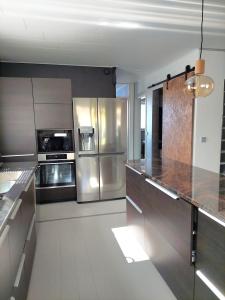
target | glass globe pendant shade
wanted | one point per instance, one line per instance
(199, 86)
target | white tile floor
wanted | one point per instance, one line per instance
(79, 259)
(72, 209)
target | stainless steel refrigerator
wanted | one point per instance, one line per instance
(100, 129)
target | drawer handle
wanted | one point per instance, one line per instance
(164, 190)
(20, 270)
(14, 213)
(28, 185)
(134, 204)
(210, 285)
(211, 217)
(17, 155)
(139, 173)
(4, 235)
(31, 228)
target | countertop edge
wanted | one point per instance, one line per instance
(14, 200)
(218, 216)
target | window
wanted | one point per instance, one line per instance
(122, 90)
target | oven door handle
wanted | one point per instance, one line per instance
(57, 163)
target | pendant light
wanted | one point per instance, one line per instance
(199, 85)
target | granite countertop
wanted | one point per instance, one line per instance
(200, 187)
(9, 199)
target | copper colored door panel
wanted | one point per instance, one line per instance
(177, 132)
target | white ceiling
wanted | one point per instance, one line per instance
(134, 35)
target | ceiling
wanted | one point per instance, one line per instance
(136, 36)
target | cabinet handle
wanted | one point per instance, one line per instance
(134, 204)
(31, 228)
(210, 285)
(28, 185)
(14, 213)
(18, 155)
(20, 270)
(211, 217)
(164, 190)
(139, 173)
(4, 235)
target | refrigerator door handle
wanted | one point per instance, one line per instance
(88, 155)
(111, 153)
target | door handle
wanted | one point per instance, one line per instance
(18, 155)
(111, 153)
(134, 204)
(87, 155)
(28, 185)
(162, 189)
(136, 171)
(4, 235)
(31, 228)
(14, 213)
(20, 270)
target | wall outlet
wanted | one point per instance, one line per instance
(203, 139)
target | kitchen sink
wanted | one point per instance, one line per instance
(7, 180)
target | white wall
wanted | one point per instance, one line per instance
(134, 114)
(208, 111)
(208, 115)
(123, 76)
(172, 68)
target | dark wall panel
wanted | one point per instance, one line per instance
(86, 81)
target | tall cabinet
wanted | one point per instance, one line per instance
(17, 127)
(27, 104)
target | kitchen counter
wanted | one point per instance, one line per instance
(9, 199)
(202, 188)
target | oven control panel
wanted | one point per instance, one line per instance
(56, 156)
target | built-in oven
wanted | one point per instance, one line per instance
(55, 177)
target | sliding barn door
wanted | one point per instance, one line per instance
(178, 114)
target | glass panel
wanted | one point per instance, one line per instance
(122, 90)
(143, 126)
(57, 175)
(143, 115)
(55, 141)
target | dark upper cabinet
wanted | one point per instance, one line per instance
(52, 90)
(17, 134)
(53, 116)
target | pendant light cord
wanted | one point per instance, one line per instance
(202, 29)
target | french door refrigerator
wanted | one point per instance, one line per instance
(100, 129)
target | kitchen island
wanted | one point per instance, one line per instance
(17, 228)
(177, 213)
